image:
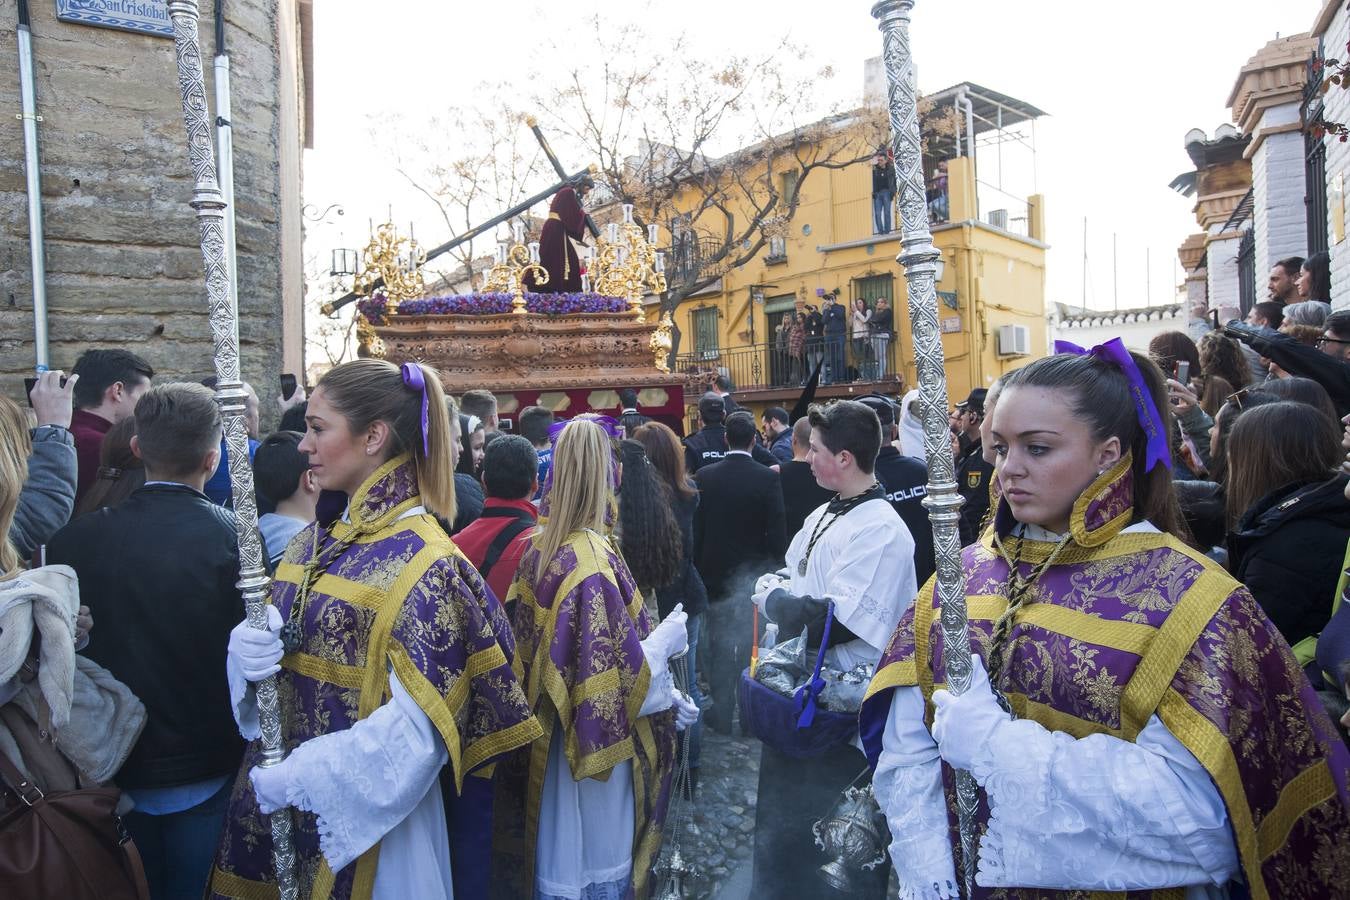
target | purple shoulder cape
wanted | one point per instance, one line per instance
(387, 591)
(578, 632)
(1126, 626)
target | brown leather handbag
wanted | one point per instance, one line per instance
(68, 844)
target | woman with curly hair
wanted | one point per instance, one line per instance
(687, 589)
(649, 537)
(1222, 365)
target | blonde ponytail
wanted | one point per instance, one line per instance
(370, 390)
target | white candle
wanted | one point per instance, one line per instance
(623, 255)
(518, 230)
(653, 235)
(585, 284)
(613, 230)
(628, 214)
(534, 251)
(501, 253)
(660, 262)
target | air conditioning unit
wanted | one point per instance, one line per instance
(1014, 340)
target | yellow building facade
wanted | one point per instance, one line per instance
(992, 277)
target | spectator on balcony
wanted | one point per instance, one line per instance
(779, 368)
(797, 349)
(859, 321)
(880, 328)
(883, 191)
(938, 207)
(836, 326)
(778, 433)
(814, 323)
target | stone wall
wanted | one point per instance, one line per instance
(124, 268)
(1337, 109)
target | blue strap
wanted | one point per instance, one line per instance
(808, 693)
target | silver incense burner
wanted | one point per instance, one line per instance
(854, 835)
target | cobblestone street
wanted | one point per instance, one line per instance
(722, 837)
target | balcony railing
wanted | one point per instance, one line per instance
(690, 256)
(768, 367)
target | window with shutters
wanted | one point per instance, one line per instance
(705, 333)
(877, 287)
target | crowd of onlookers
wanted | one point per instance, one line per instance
(128, 485)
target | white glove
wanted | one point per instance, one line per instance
(963, 724)
(671, 636)
(686, 711)
(255, 652)
(763, 589)
(768, 579)
(270, 786)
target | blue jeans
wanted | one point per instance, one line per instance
(694, 625)
(881, 211)
(179, 848)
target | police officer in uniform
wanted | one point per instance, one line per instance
(709, 444)
(973, 474)
(906, 482)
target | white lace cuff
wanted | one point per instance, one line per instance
(1119, 815)
(243, 701)
(364, 781)
(908, 787)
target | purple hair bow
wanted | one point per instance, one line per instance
(1114, 352)
(608, 423)
(416, 380)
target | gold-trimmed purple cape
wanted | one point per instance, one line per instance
(1126, 626)
(400, 596)
(578, 651)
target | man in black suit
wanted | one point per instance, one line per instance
(629, 416)
(738, 535)
(802, 494)
(723, 387)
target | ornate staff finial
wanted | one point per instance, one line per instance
(224, 317)
(919, 257)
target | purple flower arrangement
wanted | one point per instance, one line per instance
(376, 308)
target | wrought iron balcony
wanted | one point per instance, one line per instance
(690, 257)
(763, 367)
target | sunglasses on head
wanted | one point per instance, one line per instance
(1237, 397)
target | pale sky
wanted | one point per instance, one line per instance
(1122, 85)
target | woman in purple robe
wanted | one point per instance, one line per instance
(1136, 724)
(579, 813)
(394, 662)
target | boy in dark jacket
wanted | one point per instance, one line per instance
(158, 574)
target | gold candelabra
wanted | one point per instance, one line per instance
(515, 261)
(394, 260)
(627, 263)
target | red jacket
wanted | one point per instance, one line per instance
(88, 430)
(475, 539)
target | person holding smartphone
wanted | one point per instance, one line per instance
(48, 496)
